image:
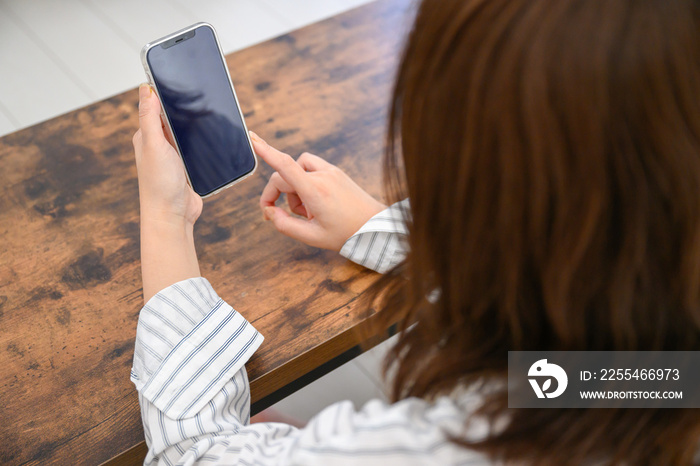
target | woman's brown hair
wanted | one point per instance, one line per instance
(551, 153)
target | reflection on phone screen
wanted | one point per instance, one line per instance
(197, 97)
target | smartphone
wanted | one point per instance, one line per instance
(188, 72)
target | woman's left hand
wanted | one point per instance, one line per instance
(164, 192)
(169, 206)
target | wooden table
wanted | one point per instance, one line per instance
(70, 284)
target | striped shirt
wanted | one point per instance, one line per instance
(189, 372)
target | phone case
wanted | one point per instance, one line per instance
(165, 118)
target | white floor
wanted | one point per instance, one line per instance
(59, 56)
(56, 56)
(359, 381)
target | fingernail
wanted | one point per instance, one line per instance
(268, 213)
(255, 137)
(144, 91)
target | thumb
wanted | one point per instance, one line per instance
(149, 113)
(296, 228)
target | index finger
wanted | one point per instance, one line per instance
(289, 170)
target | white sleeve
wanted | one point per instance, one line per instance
(195, 400)
(188, 369)
(381, 242)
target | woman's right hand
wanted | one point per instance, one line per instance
(330, 206)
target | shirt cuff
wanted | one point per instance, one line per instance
(380, 244)
(189, 343)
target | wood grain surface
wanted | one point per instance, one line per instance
(70, 285)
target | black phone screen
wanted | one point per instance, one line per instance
(197, 97)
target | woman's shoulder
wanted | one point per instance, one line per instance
(411, 431)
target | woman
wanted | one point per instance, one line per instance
(551, 155)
